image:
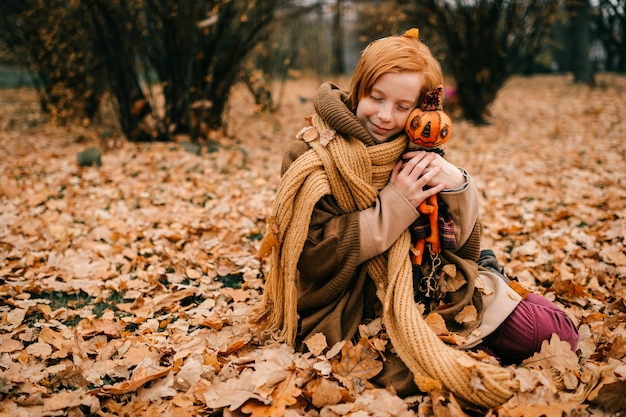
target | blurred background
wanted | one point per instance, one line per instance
(168, 67)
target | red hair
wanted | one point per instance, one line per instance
(394, 54)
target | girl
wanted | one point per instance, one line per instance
(339, 235)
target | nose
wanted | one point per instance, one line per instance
(384, 113)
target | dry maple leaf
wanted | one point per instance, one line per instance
(356, 365)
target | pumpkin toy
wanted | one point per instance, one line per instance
(428, 127)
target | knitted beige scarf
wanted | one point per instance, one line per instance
(354, 173)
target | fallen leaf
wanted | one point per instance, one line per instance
(356, 364)
(552, 410)
(611, 397)
(556, 355)
(326, 393)
(140, 377)
(232, 392)
(453, 280)
(8, 345)
(316, 344)
(437, 324)
(285, 394)
(467, 314)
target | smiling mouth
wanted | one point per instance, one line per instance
(379, 130)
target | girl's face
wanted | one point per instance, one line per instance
(385, 110)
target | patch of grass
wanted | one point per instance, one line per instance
(106, 380)
(164, 281)
(61, 299)
(99, 308)
(193, 299)
(73, 321)
(116, 297)
(131, 327)
(33, 317)
(255, 236)
(231, 280)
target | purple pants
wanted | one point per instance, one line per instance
(534, 320)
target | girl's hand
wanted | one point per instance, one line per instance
(412, 176)
(448, 173)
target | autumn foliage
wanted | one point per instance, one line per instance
(125, 288)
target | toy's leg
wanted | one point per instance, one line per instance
(431, 208)
(434, 226)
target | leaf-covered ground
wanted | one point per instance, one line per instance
(125, 288)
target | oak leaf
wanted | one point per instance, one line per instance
(557, 355)
(8, 344)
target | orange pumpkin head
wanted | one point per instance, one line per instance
(428, 126)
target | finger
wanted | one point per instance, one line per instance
(412, 154)
(414, 162)
(414, 157)
(428, 175)
(434, 190)
(396, 170)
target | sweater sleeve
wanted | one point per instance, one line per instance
(464, 206)
(330, 254)
(383, 223)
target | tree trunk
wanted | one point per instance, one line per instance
(116, 44)
(338, 46)
(485, 40)
(580, 32)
